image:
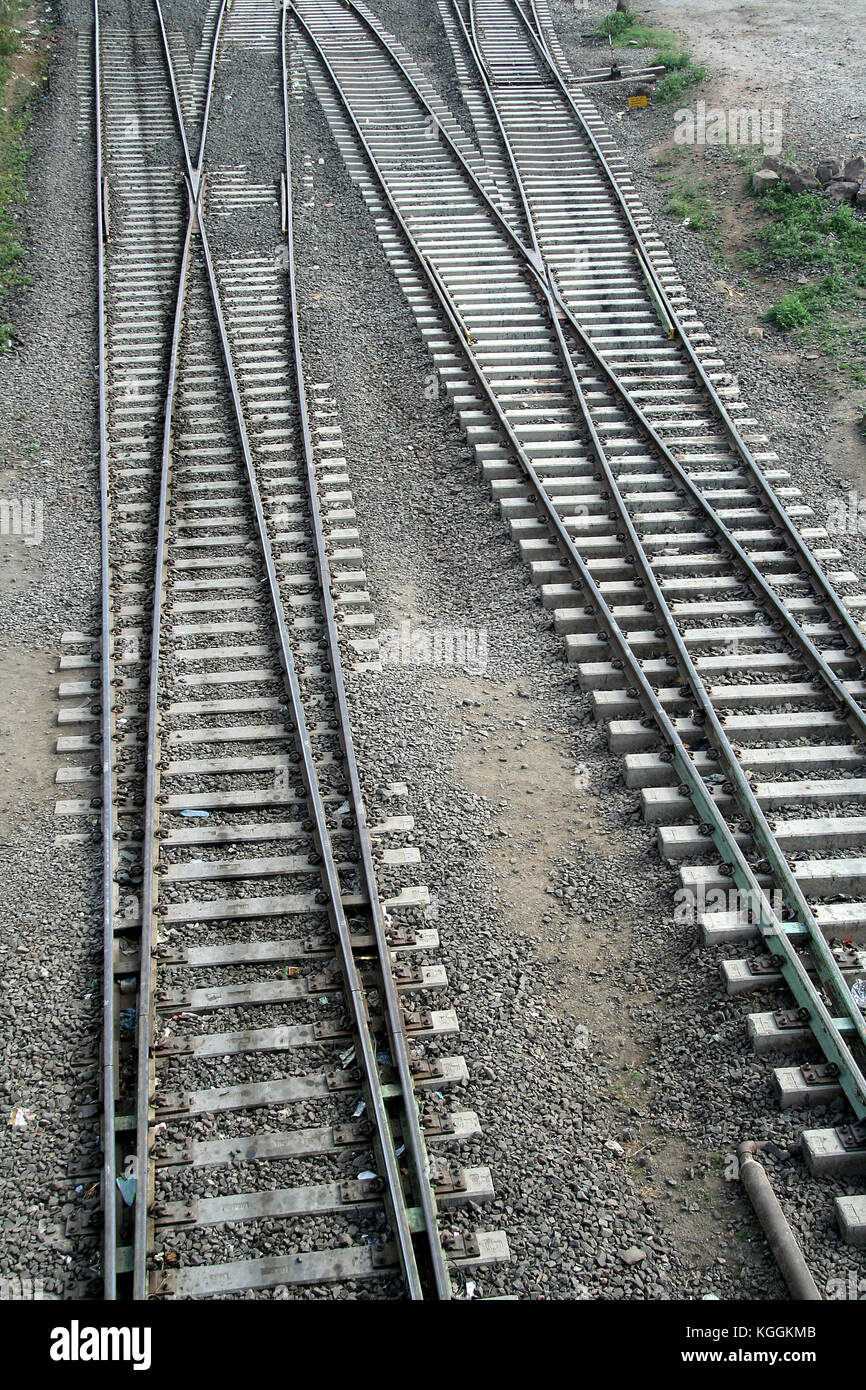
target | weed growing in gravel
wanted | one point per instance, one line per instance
(688, 201)
(686, 198)
(796, 309)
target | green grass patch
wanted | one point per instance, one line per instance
(675, 84)
(799, 308)
(805, 231)
(680, 75)
(687, 197)
(14, 99)
(807, 236)
(626, 30)
(673, 59)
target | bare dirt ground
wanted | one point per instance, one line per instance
(806, 59)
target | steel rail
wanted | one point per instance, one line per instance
(352, 985)
(473, 27)
(193, 171)
(108, 1078)
(149, 844)
(353, 988)
(764, 837)
(539, 28)
(144, 1021)
(546, 282)
(772, 928)
(819, 579)
(394, 1010)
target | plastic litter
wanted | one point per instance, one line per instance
(858, 993)
(19, 1117)
(359, 1109)
(126, 1188)
(366, 1176)
(471, 1288)
(196, 815)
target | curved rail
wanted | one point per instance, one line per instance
(771, 926)
(546, 282)
(761, 831)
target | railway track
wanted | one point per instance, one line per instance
(707, 612)
(274, 1061)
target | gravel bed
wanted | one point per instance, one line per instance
(605, 1062)
(51, 952)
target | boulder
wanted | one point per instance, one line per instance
(763, 179)
(860, 200)
(855, 169)
(770, 162)
(788, 171)
(842, 189)
(803, 183)
(828, 170)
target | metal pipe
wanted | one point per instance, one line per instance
(783, 1243)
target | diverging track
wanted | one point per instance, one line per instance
(272, 1049)
(697, 595)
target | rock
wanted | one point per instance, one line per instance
(633, 1255)
(842, 189)
(803, 183)
(855, 169)
(828, 170)
(770, 161)
(861, 196)
(763, 179)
